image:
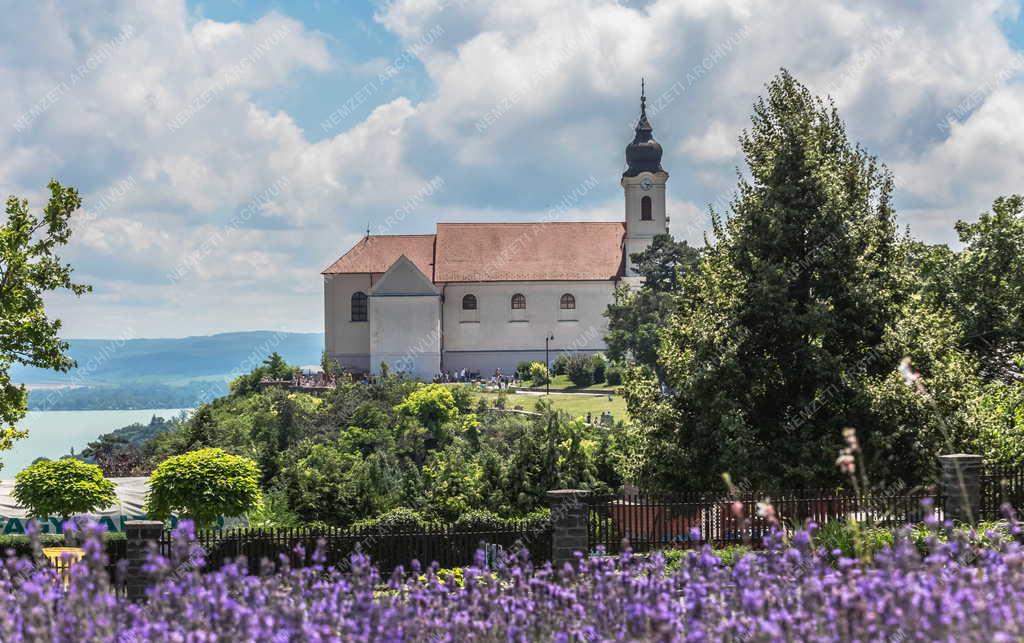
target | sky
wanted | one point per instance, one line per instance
(227, 152)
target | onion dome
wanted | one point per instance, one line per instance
(644, 153)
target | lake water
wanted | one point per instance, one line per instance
(52, 434)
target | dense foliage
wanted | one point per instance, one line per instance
(364, 450)
(29, 268)
(636, 316)
(62, 488)
(793, 322)
(203, 485)
(959, 591)
(119, 453)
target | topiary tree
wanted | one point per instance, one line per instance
(203, 485)
(63, 488)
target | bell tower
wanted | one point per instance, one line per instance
(644, 185)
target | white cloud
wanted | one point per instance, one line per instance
(525, 100)
(718, 143)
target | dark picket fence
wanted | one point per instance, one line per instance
(267, 549)
(998, 486)
(690, 520)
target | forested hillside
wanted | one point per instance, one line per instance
(369, 449)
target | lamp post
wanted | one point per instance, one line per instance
(547, 363)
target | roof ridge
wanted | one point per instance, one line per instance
(424, 234)
(512, 223)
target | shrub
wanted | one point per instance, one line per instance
(598, 364)
(613, 375)
(480, 520)
(580, 371)
(538, 518)
(523, 370)
(202, 485)
(852, 539)
(559, 365)
(22, 545)
(396, 521)
(63, 488)
(463, 396)
(432, 405)
(539, 374)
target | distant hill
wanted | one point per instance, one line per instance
(105, 362)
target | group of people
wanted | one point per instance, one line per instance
(498, 380)
(463, 375)
(606, 418)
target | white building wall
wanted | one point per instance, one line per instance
(405, 333)
(495, 336)
(346, 341)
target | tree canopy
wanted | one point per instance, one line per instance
(62, 488)
(793, 322)
(636, 316)
(30, 268)
(203, 485)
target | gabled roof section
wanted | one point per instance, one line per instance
(587, 250)
(404, 278)
(377, 253)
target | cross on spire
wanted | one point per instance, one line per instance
(643, 99)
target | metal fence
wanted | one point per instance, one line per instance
(689, 520)
(998, 486)
(261, 549)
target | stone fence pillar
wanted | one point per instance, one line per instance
(960, 486)
(138, 534)
(570, 512)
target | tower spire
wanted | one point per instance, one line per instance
(644, 153)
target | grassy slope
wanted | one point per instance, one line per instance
(575, 403)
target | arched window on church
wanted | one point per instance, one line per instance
(518, 301)
(567, 307)
(359, 308)
(645, 209)
(469, 313)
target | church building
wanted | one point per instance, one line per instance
(483, 296)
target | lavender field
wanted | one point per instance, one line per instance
(950, 585)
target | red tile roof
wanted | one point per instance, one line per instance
(528, 251)
(376, 253)
(497, 252)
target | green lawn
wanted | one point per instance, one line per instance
(562, 382)
(576, 404)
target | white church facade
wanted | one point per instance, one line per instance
(483, 296)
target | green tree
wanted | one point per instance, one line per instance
(203, 485)
(432, 405)
(987, 292)
(766, 345)
(273, 368)
(635, 317)
(62, 488)
(29, 268)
